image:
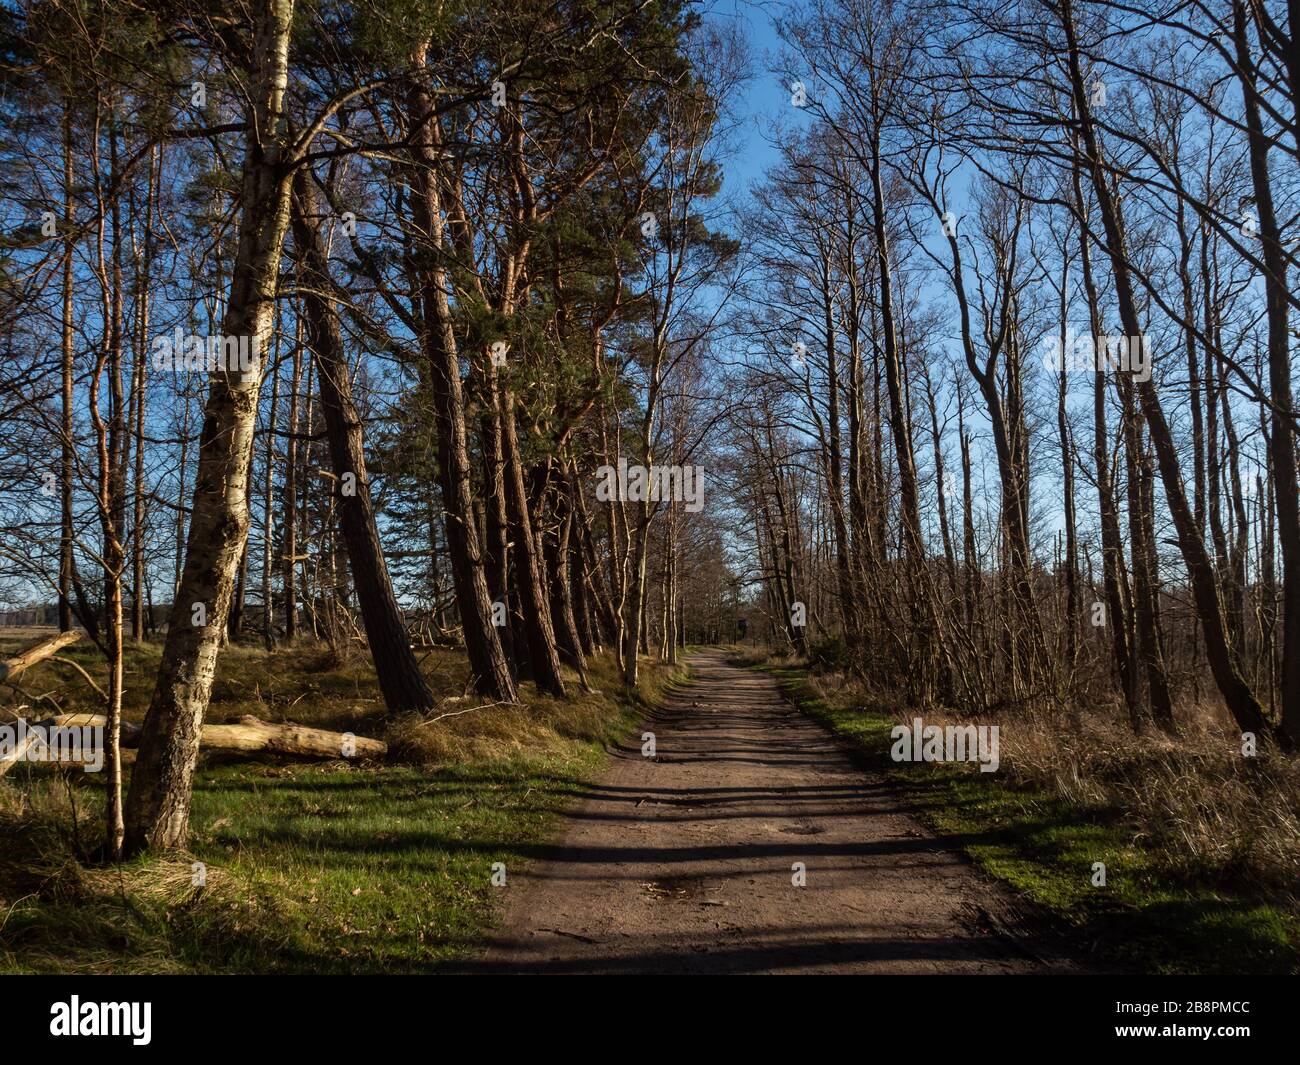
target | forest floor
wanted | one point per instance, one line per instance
(687, 861)
(614, 861)
(330, 867)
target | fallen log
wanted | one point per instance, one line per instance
(251, 734)
(38, 652)
(254, 734)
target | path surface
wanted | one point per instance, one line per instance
(682, 864)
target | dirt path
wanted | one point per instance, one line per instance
(683, 863)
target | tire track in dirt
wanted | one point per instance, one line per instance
(683, 863)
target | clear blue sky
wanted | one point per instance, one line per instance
(763, 98)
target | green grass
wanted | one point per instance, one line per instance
(309, 867)
(1149, 917)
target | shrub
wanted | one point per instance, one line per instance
(829, 654)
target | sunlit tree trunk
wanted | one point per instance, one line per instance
(158, 805)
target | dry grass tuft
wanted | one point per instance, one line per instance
(465, 728)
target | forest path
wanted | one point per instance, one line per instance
(682, 863)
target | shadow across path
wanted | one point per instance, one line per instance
(751, 843)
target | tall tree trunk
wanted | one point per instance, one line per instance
(158, 805)
(1071, 537)
(400, 680)
(488, 662)
(290, 526)
(138, 393)
(1113, 584)
(113, 563)
(900, 424)
(268, 500)
(178, 563)
(66, 453)
(543, 656)
(1282, 454)
(848, 604)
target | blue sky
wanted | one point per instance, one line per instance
(764, 97)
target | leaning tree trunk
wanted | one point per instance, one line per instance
(158, 805)
(399, 674)
(1145, 588)
(487, 659)
(543, 655)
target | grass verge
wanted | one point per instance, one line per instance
(325, 868)
(1157, 912)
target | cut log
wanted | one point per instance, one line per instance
(254, 734)
(38, 652)
(251, 734)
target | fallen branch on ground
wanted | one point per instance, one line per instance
(457, 713)
(69, 662)
(250, 734)
(38, 652)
